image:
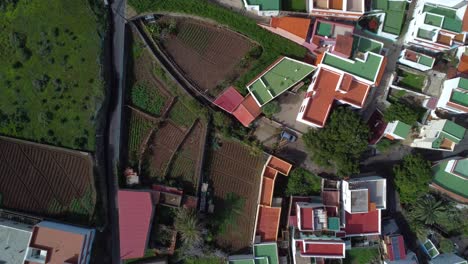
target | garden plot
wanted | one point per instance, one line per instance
(47, 181)
(207, 54)
(234, 170)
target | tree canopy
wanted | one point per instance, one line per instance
(412, 178)
(303, 182)
(340, 143)
(402, 112)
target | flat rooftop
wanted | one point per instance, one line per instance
(449, 16)
(367, 69)
(266, 5)
(449, 181)
(362, 223)
(268, 253)
(13, 242)
(280, 76)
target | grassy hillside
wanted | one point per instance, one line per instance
(50, 82)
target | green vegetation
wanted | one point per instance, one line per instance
(362, 255)
(227, 215)
(340, 143)
(386, 145)
(411, 81)
(446, 246)
(139, 129)
(427, 210)
(50, 71)
(412, 178)
(402, 112)
(303, 182)
(204, 260)
(273, 45)
(147, 99)
(294, 5)
(181, 115)
(187, 225)
(149, 253)
(271, 108)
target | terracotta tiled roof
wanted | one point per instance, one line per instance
(267, 191)
(463, 65)
(331, 198)
(280, 165)
(344, 44)
(356, 94)
(268, 223)
(247, 111)
(443, 39)
(229, 100)
(318, 108)
(381, 71)
(307, 218)
(294, 25)
(465, 21)
(411, 55)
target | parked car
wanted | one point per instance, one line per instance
(288, 136)
(150, 19)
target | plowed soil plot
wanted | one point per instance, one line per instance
(163, 145)
(185, 164)
(44, 180)
(234, 170)
(206, 53)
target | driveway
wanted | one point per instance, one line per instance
(290, 104)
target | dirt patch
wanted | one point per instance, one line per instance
(45, 180)
(234, 170)
(207, 54)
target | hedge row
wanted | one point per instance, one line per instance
(273, 45)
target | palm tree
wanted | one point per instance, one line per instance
(186, 223)
(428, 209)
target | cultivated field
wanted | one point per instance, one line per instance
(206, 53)
(45, 180)
(50, 72)
(234, 170)
(140, 129)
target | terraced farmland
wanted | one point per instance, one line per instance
(140, 128)
(206, 53)
(45, 180)
(234, 170)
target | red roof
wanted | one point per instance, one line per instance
(268, 223)
(463, 65)
(229, 100)
(396, 248)
(267, 191)
(135, 213)
(362, 223)
(279, 165)
(307, 218)
(324, 248)
(247, 111)
(331, 197)
(294, 25)
(465, 21)
(344, 45)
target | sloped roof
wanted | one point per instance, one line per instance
(268, 222)
(344, 44)
(463, 65)
(135, 216)
(229, 99)
(449, 181)
(396, 248)
(280, 165)
(247, 111)
(324, 248)
(294, 25)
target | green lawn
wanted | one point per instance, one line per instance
(361, 256)
(50, 72)
(411, 81)
(294, 5)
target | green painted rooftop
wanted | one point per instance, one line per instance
(426, 60)
(402, 129)
(449, 181)
(463, 83)
(242, 261)
(367, 70)
(461, 168)
(334, 223)
(363, 44)
(433, 20)
(425, 34)
(324, 29)
(454, 130)
(268, 251)
(451, 21)
(266, 4)
(394, 14)
(459, 98)
(279, 78)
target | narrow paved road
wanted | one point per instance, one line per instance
(117, 27)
